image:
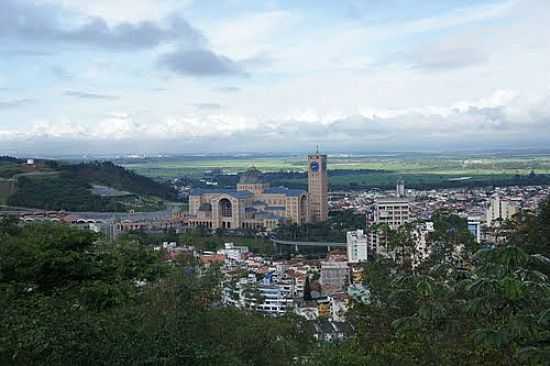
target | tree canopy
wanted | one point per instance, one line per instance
(69, 298)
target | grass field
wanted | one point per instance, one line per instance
(388, 180)
(416, 169)
(196, 167)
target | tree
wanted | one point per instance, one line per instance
(307, 290)
(69, 298)
(452, 242)
(494, 310)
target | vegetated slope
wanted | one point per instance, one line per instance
(69, 187)
(7, 187)
(114, 176)
(64, 192)
(10, 167)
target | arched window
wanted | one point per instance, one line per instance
(226, 208)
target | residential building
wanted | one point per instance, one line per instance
(391, 211)
(400, 188)
(501, 209)
(335, 276)
(265, 297)
(474, 226)
(422, 234)
(357, 249)
(359, 293)
(233, 252)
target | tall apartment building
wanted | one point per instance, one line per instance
(318, 187)
(357, 248)
(400, 188)
(392, 211)
(501, 209)
(335, 276)
(474, 226)
(422, 234)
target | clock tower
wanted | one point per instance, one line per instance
(317, 187)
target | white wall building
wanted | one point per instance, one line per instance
(400, 188)
(423, 236)
(357, 248)
(233, 252)
(335, 276)
(474, 226)
(391, 211)
(501, 209)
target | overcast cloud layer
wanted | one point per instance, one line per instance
(153, 76)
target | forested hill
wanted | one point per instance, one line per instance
(53, 185)
(112, 175)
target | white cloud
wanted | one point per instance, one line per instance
(116, 11)
(504, 116)
(251, 34)
(458, 17)
(476, 74)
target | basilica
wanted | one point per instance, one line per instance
(257, 206)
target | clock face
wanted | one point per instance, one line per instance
(314, 166)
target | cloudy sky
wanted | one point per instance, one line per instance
(181, 76)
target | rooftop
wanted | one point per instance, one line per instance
(252, 176)
(231, 192)
(286, 191)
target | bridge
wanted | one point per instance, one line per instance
(298, 244)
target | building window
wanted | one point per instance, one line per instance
(226, 208)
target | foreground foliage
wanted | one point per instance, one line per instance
(464, 306)
(67, 298)
(333, 230)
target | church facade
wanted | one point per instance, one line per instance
(257, 206)
(252, 205)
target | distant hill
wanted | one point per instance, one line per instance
(109, 174)
(54, 185)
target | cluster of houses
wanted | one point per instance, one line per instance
(321, 291)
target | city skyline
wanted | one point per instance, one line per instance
(234, 76)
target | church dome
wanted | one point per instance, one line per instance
(251, 176)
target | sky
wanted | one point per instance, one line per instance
(205, 76)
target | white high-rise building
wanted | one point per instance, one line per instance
(501, 209)
(357, 248)
(474, 226)
(393, 212)
(335, 276)
(400, 188)
(422, 234)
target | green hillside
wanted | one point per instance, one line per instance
(53, 185)
(117, 177)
